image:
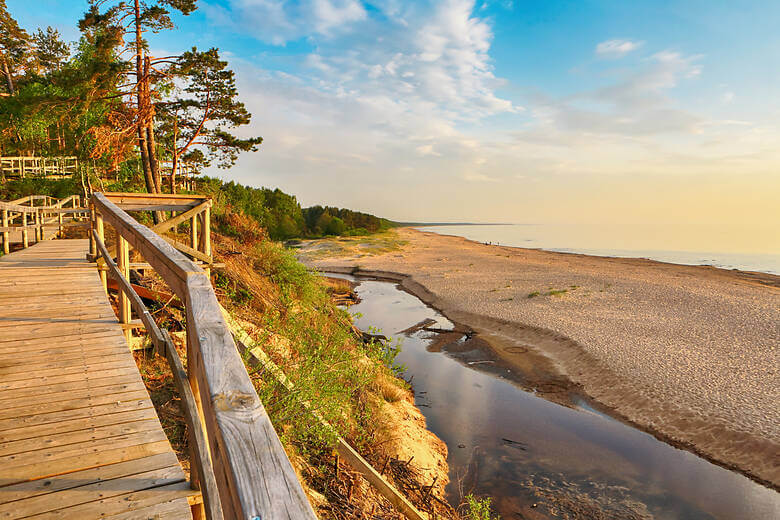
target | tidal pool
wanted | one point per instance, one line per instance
(538, 459)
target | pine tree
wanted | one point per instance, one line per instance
(202, 112)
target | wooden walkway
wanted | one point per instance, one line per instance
(79, 436)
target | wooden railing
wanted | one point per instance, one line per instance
(24, 166)
(23, 214)
(238, 462)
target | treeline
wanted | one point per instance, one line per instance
(282, 216)
(340, 221)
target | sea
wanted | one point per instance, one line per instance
(569, 239)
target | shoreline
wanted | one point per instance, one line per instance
(762, 277)
(616, 395)
(591, 254)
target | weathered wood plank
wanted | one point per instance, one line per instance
(46, 456)
(76, 413)
(37, 410)
(47, 391)
(109, 455)
(65, 378)
(71, 425)
(127, 504)
(240, 432)
(45, 487)
(58, 439)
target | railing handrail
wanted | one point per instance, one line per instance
(253, 474)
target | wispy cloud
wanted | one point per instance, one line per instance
(280, 21)
(616, 48)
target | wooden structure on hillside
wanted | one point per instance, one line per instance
(19, 167)
(239, 467)
(185, 174)
(37, 218)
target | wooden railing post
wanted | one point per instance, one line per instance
(198, 512)
(25, 236)
(93, 253)
(123, 262)
(100, 231)
(60, 227)
(205, 237)
(37, 224)
(194, 232)
(6, 235)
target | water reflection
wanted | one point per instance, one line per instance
(542, 460)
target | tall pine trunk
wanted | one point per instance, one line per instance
(151, 143)
(141, 95)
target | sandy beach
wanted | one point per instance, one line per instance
(689, 353)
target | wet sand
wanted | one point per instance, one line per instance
(685, 352)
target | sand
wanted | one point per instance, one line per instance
(689, 353)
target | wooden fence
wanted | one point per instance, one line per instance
(50, 167)
(22, 215)
(238, 462)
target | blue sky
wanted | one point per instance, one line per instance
(503, 110)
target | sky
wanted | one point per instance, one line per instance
(645, 115)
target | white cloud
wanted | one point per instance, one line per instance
(616, 48)
(427, 149)
(280, 21)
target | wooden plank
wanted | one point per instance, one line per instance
(81, 461)
(45, 487)
(189, 250)
(172, 510)
(14, 365)
(48, 391)
(77, 413)
(49, 329)
(122, 362)
(71, 425)
(43, 408)
(239, 430)
(71, 342)
(23, 406)
(162, 227)
(18, 448)
(44, 457)
(82, 340)
(127, 503)
(66, 378)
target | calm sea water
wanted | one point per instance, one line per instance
(602, 242)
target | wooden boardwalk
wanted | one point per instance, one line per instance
(79, 436)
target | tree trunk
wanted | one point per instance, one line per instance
(9, 80)
(175, 159)
(150, 140)
(140, 92)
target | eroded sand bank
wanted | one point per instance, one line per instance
(690, 353)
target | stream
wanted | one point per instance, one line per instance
(538, 459)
